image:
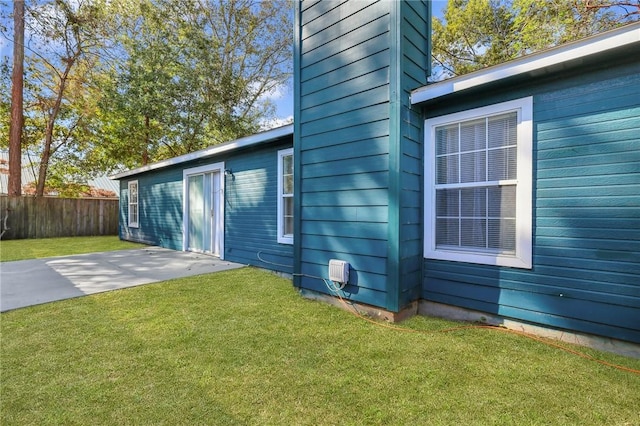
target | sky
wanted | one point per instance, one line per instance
(282, 98)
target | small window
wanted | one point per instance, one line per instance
(478, 185)
(285, 196)
(133, 204)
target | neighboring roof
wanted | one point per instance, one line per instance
(248, 141)
(623, 40)
(29, 175)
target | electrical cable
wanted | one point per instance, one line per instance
(355, 311)
(258, 255)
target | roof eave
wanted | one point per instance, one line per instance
(248, 141)
(534, 64)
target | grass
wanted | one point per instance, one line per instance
(243, 348)
(11, 250)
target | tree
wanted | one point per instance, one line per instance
(194, 74)
(475, 34)
(65, 44)
(17, 117)
(118, 83)
(70, 35)
(626, 9)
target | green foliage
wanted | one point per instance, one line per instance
(64, 39)
(475, 34)
(243, 348)
(112, 84)
(194, 74)
(5, 102)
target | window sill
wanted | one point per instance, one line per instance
(285, 240)
(480, 258)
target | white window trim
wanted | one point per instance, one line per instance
(133, 224)
(523, 253)
(282, 238)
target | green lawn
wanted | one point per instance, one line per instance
(243, 348)
(11, 250)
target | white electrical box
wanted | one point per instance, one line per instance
(339, 271)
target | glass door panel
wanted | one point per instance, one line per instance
(196, 225)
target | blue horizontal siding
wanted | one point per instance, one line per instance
(339, 183)
(596, 191)
(411, 215)
(588, 264)
(315, 8)
(360, 156)
(328, 45)
(363, 133)
(360, 281)
(586, 242)
(376, 48)
(366, 114)
(351, 198)
(589, 213)
(603, 170)
(407, 163)
(603, 124)
(604, 158)
(358, 262)
(349, 166)
(367, 95)
(333, 73)
(250, 207)
(359, 294)
(586, 99)
(251, 227)
(367, 213)
(355, 93)
(595, 181)
(159, 209)
(346, 150)
(543, 282)
(357, 245)
(560, 309)
(374, 231)
(335, 21)
(589, 244)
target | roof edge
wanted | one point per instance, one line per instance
(609, 40)
(247, 141)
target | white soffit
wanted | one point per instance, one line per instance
(245, 142)
(552, 58)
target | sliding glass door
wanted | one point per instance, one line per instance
(204, 224)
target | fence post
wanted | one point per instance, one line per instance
(101, 217)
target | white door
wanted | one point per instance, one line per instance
(203, 219)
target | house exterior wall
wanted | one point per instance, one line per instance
(159, 209)
(353, 162)
(250, 207)
(342, 143)
(406, 163)
(586, 236)
(251, 211)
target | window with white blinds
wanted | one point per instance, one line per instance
(479, 185)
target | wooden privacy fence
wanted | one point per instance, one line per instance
(47, 217)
